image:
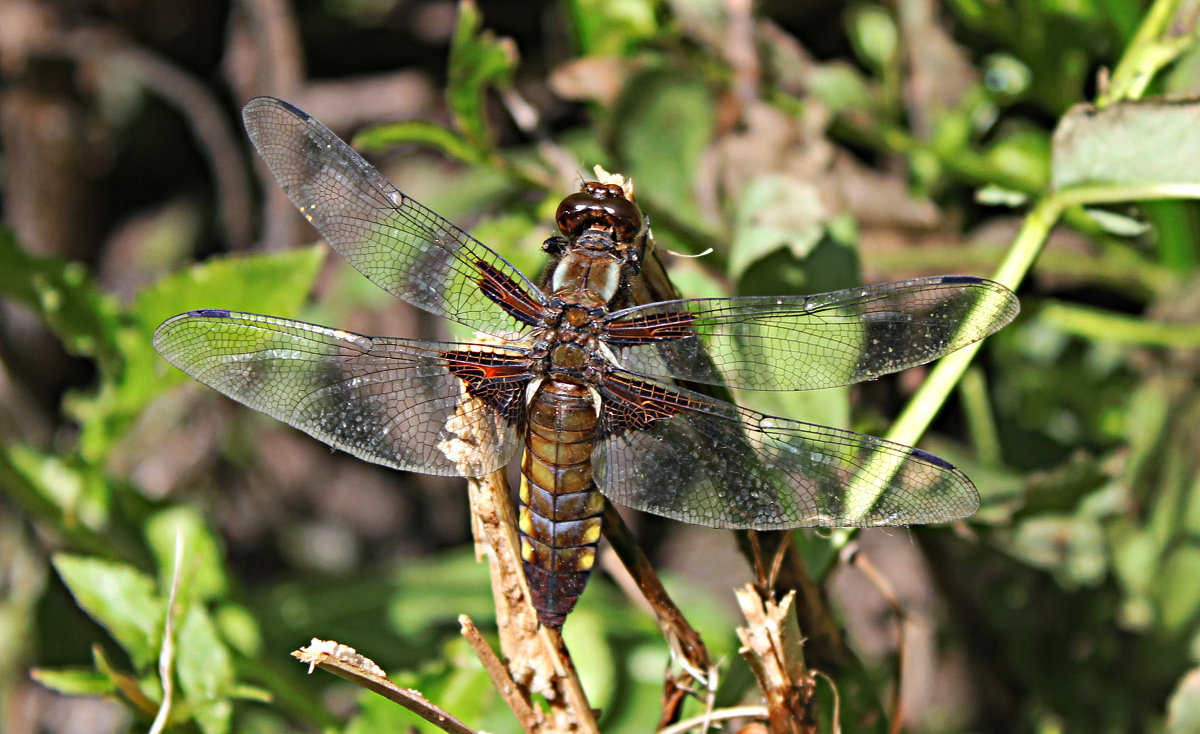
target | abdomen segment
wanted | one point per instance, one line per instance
(561, 510)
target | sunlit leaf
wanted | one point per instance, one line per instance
(418, 132)
(202, 576)
(1183, 708)
(122, 599)
(273, 284)
(775, 212)
(62, 295)
(74, 682)
(611, 27)
(478, 61)
(205, 670)
(1150, 144)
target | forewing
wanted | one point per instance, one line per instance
(403, 247)
(809, 342)
(700, 460)
(437, 408)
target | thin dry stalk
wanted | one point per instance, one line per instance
(345, 663)
(772, 644)
(685, 642)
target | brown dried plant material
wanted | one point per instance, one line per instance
(345, 662)
(772, 644)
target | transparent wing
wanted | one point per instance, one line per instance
(700, 460)
(438, 408)
(403, 247)
(809, 342)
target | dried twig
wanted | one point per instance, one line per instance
(516, 696)
(684, 640)
(772, 644)
(345, 662)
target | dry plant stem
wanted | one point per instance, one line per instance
(514, 695)
(682, 637)
(773, 646)
(409, 699)
(854, 555)
(824, 644)
(696, 722)
(536, 659)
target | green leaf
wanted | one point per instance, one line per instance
(1177, 592)
(478, 60)
(205, 670)
(1183, 709)
(775, 212)
(664, 122)
(78, 491)
(612, 27)
(74, 681)
(419, 132)
(202, 576)
(276, 283)
(119, 597)
(1151, 144)
(62, 295)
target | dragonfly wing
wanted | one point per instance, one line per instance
(437, 408)
(700, 460)
(809, 342)
(402, 246)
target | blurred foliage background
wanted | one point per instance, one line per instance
(812, 146)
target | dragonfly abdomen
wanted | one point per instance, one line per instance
(561, 510)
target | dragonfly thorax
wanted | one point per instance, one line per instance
(587, 277)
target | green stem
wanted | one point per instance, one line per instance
(1100, 325)
(1150, 50)
(929, 399)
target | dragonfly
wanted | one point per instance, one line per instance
(603, 396)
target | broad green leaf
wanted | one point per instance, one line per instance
(1183, 708)
(74, 681)
(418, 132)
(478, 60)
(1177, 592)
(1023, 155)
(202, 576)
(277, 283)
(775, 212)
(78, 491)
(62, 295)
(461, 588)
(272, 284)
(205, 670)
(1071, 547)
(612, 27)
(1150, 146)
(664, 122)
(119, 597)
(240, 628)
(874, 35)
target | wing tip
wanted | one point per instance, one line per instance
(209, 313)
(962, 280)
(923, 455)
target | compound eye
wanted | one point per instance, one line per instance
(574, 213)
(580, 210)
(626, 218)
